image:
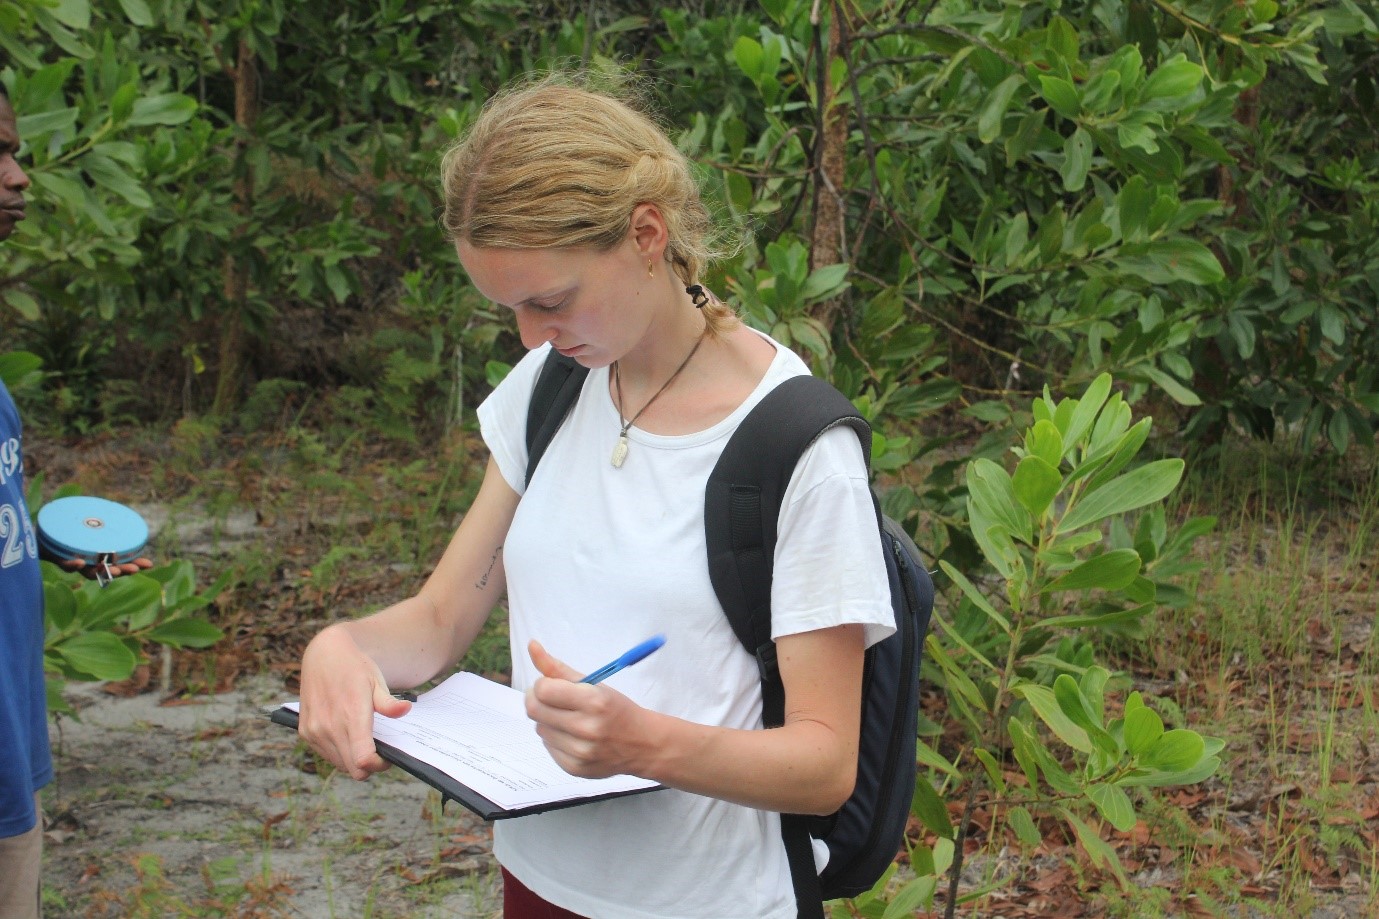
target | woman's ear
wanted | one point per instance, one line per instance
(648, 231)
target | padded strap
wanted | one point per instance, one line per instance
(742, 499)
(742, 503)
(556, 391)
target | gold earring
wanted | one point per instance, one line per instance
(649, 272)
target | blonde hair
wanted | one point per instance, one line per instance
(556, 164)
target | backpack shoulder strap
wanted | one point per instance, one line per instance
(556, 391)
(742, 499)
(742, 503)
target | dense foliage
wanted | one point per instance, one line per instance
(950, 206)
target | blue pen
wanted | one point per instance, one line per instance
(627, 660)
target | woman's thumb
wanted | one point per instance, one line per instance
(387, 704)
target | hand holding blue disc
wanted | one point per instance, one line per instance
(91, 528)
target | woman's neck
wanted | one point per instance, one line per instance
(669, 338)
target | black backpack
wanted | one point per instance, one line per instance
(742, 503)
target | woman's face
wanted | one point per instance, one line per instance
(589, 305)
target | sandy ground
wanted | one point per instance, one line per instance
(208, 809)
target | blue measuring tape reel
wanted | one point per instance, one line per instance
(102, 532)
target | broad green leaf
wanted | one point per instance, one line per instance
(990, 488)
(1114, 804)
(1143, 727)
(917, 894)
(186, 633)
(106, 172)
(1107, 571)
(74, 13)
(1175, 751)
(16, 365)
(126, 596)
(1079, 711)
(138, 12)
(24, 304)
(1062, 39)
(1145, 485)
(993, 112)
(1204, 769)
(1050, 235)
(930, 809)
(1242, 333)
(1100, 93)
(1338, 431)
(739, 191)
(177, 578)
(926, 755)
(826, 281)
(1086, 411)
(1022, 745)
(943, 855)
(1023, 825)
(749, 55)
(1108, 461)
(59, 604)
(1061, 96)
(1042, 700)
(1077, 160)
(98, 654)
(1332, 323)
(163, 108)
(1036, 483)
(1140, 136)
(1054, 774)
(41, 124)
(1044, 441)
(1133, 203)
(1167, 261)
(1174, 77)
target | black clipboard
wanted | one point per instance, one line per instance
(453, 790)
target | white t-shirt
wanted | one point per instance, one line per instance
(599, 559)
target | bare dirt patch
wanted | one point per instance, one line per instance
(205, 808)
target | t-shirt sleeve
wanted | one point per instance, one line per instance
(829, 569)
(503, 418)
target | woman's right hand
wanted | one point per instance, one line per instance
(342, 688)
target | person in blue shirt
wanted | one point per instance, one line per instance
(25, 762)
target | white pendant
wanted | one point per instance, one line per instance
(619, 452)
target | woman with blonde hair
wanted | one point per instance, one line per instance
(572, 209)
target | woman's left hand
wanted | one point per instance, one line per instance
(591, 731)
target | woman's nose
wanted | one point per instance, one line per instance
(533, 328)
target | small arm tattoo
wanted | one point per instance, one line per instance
(492, 563)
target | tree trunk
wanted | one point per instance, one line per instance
(828, 245)
(230, 370)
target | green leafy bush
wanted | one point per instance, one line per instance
(1017, 675)
(98, 633)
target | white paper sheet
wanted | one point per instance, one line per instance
(478, 731)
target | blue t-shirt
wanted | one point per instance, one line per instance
(25, 763)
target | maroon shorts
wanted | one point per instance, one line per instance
(521, 903)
